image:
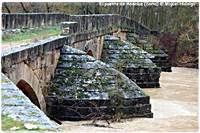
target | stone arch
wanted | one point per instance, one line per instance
(29, 92)
(90, 53)
(24, 72)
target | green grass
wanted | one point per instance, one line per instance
(8, 123)
(30, 35)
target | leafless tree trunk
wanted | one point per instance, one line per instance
(6, 6)
(96, 9)
(48, 7)
(25, 10)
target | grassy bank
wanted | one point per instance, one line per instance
(31, 35)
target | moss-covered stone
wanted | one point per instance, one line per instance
(160, 58)
(89, 80)
(132, 61)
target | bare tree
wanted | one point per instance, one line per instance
(6, 6)
(96, 9)
(25, 10)
(48, 7)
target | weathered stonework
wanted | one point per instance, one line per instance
(94, 44)
(160, 58)
(68, 27)
(30, 20)
(34, 63)
(132, 61)
(85, 23)
(86, 88)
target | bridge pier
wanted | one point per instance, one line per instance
(86, 88)
(132, 61)
(160, 58)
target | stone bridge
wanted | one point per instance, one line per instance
(32, 67)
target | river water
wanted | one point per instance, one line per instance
(175, 107)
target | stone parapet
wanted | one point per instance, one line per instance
(84, 22)
(31, 20)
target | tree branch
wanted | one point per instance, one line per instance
(25, 10)
(6, 6)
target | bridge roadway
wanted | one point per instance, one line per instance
(175, 107)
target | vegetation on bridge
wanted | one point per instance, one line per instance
(27, 35)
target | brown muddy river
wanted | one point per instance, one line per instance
(175, 107)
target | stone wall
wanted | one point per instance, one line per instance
(85, 22)
(35, 64)
(105, 21)
(95, 45)
(95, 22)
(31, 20)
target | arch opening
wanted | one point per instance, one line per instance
(29, 92)
(89, 52)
